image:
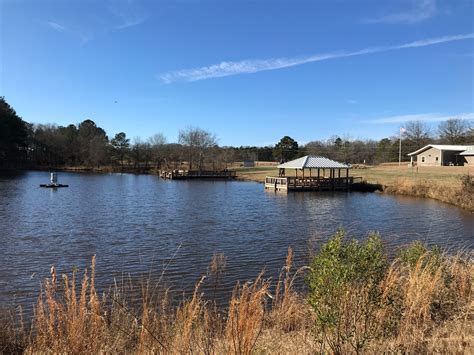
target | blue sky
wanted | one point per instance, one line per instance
(248, 71)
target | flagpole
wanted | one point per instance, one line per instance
(400, 149)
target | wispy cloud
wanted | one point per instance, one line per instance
(422, 10)
(55, 26)
(130, 22)
(114, 15)
(256, 65)
(352, 102)
(82, 35)
(129, 13)
(426, 117)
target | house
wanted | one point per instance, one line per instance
(443, 155)
(468, 156)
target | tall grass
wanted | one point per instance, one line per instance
(420, 302)
(460, 194)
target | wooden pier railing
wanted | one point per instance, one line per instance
(310, 183)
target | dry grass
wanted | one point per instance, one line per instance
(428, 301)
(428, 307)
(460, 193)
(385, 174)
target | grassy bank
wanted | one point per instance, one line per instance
(358, 301)
(441, 183)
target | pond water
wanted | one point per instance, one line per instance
(142, 225)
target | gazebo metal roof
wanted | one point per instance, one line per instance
(313, 161)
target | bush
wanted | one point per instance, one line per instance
(417, 252)
(345, 293)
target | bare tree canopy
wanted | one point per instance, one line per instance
(157, 147)
(453, 131)
(158, 139)
(418, 133)
(197, 143)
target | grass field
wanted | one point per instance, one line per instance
(385, 174)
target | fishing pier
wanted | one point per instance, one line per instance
(315, 174)
(197, 174)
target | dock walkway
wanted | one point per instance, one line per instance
(197, 174)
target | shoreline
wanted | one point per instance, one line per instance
(451, 185)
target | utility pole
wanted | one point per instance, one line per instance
(400, 147)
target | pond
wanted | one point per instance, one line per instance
(142, 225)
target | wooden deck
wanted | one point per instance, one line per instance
(310, 183)
(196, 174)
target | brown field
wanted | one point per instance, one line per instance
(385, 174)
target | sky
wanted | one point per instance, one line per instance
(250, 72)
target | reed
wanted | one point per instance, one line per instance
(422, 302)
(246, 315)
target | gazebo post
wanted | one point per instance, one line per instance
(332, 177)
(347, 178)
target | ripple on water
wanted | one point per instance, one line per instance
(141, 225)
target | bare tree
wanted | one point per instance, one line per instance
(470, 135)
(418, 133)
(197, 143)
(453, 131)
(157, 144)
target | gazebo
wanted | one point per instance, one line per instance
(312, 172)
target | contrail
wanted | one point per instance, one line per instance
(256, 65)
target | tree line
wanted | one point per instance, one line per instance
(26, 145)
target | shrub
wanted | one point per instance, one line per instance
(344, 290)
(417, 252)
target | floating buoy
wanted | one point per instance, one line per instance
(54, 182)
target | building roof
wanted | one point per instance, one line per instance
(313, 161)
(456, 148)
(468, 151)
